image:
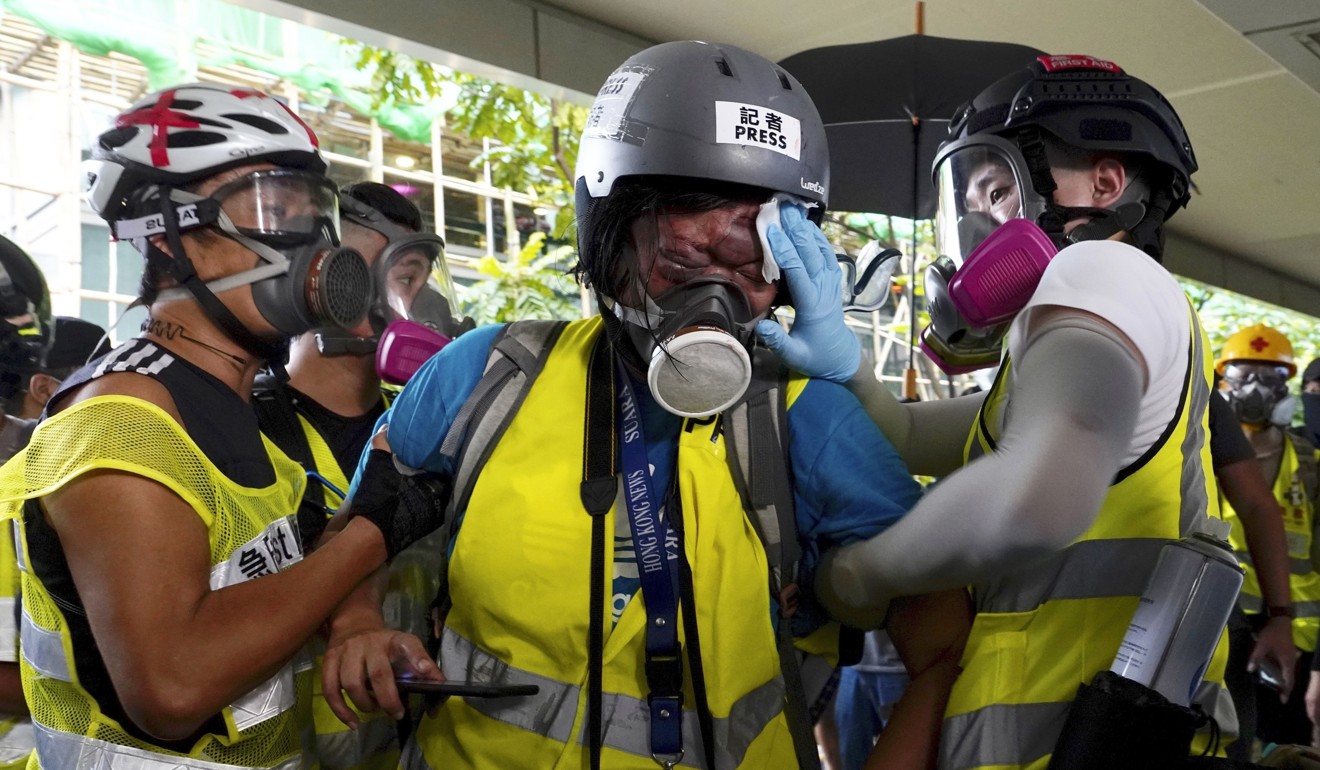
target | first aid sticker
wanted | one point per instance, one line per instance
(755, 126)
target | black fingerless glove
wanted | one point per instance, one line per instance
(404, 508)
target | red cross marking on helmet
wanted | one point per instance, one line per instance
(1258, 344)
(246, 93)
(161, 119)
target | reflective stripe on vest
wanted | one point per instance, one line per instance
(60, 750)
(8, 622)
(551, 711)
(17, 742)
(1086, 570)
(1042, 631)
(43, 650)
(1298, 519)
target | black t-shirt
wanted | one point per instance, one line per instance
(1228, 443)
(346, 436)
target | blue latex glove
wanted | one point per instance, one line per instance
(819, 345)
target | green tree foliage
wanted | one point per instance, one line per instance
(528, 285)
(1224, 313)
(533, 143)
(535, 140)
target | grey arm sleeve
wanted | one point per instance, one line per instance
(929, 436)
(1077, 395)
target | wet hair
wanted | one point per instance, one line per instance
(604, 232)
(388, 201)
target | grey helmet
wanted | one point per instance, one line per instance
(703, 111)
(708, 111)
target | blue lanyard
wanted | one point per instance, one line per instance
(658, 571)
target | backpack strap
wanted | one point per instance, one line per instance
(516, 359)
(1307, 471)
(756, 429)
(277, 416)
(756, 433)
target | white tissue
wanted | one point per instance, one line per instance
(770, 215)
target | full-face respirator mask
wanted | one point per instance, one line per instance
(1258, 392)
(992, 251)
(290, 219)
(695, 340)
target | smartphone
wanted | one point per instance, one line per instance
(1270, 676)
(464, 689)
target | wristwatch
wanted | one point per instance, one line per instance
(1280, 611)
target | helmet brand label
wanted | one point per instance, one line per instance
(748, 124)
(1076, 62)
(608, 118)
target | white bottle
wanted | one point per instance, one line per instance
(1182, 613)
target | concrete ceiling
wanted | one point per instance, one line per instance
(1244, 76)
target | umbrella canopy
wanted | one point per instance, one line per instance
(868, 95)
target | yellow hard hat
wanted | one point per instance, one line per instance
(1257, 343)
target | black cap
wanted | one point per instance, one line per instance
(1312, 371)
(76, 342)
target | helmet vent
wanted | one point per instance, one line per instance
(117, 137)
(257, 121)
(723, 66)
(195, 139)
(783, 80)
(185, 104)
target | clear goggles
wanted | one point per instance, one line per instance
(280, 204)
(1239, 375)
(981, 183)
(413, 281)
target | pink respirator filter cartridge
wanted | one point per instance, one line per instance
(1001, 273)
(404, 347)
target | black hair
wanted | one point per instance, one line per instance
(604, 230)
(389, 202)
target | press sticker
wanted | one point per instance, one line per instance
(1076, 62)
(608, 118)
(737, 123)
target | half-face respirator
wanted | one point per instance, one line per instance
(290, 219)
(695, 339)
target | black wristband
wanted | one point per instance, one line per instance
(1280, 611)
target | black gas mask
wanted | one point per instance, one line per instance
(290, 219)
(1258, 393)
(695, 340)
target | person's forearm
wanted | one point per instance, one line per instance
(929, 437)
(1075, 408)
(11, 691)
(929, 633)
(244, 633)
(1262, 521)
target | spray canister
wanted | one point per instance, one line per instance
(1182, 613)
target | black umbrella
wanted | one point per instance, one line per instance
(886, 106)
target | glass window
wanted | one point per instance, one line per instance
(95, 259)
(422, 194)
(465, 219)
(344, 175)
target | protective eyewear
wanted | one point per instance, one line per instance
(280, 204)
(1241, 375)
(980, 184)
(865, 285)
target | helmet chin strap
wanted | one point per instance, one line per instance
(180, 267)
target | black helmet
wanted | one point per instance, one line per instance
(702, 111)
(23, 292)
(1085, 103)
